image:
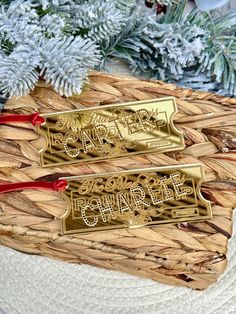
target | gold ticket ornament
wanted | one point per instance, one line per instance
(134, 198)
(110, 131)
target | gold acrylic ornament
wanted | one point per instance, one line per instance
(103, 132)
(135, 198)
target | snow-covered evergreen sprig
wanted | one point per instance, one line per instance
(66, 67)
(18, 73)
(178, 45)
(159, 50)
(41, 47)
(99, 20)
(218, 59)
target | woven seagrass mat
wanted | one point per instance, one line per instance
(190, 254)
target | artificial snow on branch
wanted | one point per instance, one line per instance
(18, 73)
(178, 44)
(62, 39)
(98, 20)
(39, 43)
(64, 66)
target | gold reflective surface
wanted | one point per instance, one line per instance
(135, 198)
(111, 131)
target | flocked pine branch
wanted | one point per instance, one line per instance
(159, 50)
(218, 59)
(18, 73)
(39, 43)
(126, 5)
(63, 66)
(179, 44)
(99, 20)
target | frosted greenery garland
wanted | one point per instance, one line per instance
(181, 48)
(39, 46)
(58, 39)
(62, 39)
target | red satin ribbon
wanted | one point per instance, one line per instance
(34, 118)
(58, 185)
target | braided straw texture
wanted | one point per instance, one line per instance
(188, 254)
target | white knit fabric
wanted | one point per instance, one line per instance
(210, 4)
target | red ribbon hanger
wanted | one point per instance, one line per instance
(58, 185)
(34, 118)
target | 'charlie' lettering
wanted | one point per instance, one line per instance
(135, 198)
